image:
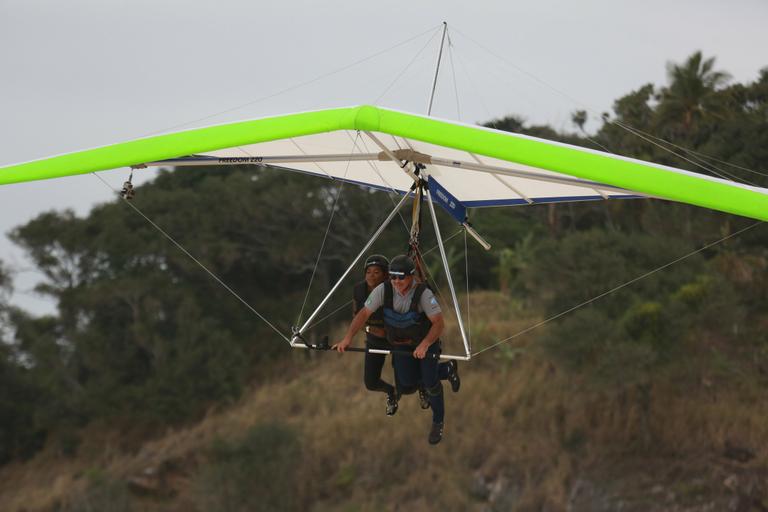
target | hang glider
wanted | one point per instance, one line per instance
(370, 146)
(455, 165)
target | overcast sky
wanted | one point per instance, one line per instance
(81, 73)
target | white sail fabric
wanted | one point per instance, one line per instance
(474, 180)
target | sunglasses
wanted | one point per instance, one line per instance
(393, 277)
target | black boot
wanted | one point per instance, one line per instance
(453, 375)
(423, 399)
(436, 433)
(392, 403)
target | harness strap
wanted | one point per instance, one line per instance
(413, 243)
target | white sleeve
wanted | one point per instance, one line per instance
(376, 299)
(428, 303)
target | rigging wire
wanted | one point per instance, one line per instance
(476, 90)
(583, 105)
(201, 265)
(296, 86)
(453, 74)
(339, 190)
(407, 67)
(612, 290)
(493, 121)
(624, 126)
(375, 168)
(746, 169)
(705, 165)
(519, 69)
(725, 175)
(329, 315)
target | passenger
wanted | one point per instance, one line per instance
(376, 272)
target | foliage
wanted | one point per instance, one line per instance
(691, 96)
(257, 472)
(144, 335)
(103, 493)
(623, 333)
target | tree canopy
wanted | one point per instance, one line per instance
(143, 335)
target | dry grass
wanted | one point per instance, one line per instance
(520, 430)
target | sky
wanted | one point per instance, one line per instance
(85, 73)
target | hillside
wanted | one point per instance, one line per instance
(152, 388)
(522, 434)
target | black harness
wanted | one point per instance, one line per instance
(407, 328)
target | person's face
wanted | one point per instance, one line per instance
(374, 276)
(402, 285)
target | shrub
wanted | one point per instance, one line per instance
(254, 473)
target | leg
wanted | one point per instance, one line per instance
(373, 366)
(430, 377)
(406, 373)
(444, 370)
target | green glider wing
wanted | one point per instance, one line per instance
(370, 146)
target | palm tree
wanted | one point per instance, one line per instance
(692, 93)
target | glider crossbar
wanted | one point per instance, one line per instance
(388, 154)
(260, 160)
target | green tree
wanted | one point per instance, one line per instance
(621, 337)
(579, 119)
(691, 95)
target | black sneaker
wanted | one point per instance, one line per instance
(436, 433)
(423, 399)
(392, 403)
(453, 375)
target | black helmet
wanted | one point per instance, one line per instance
(402, 265)
(377, 260)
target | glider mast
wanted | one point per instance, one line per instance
(437, 69)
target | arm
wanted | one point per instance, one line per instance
(357, 323)
(438, 324)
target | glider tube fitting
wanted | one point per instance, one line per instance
(474, 234)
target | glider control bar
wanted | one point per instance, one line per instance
(324, 345)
